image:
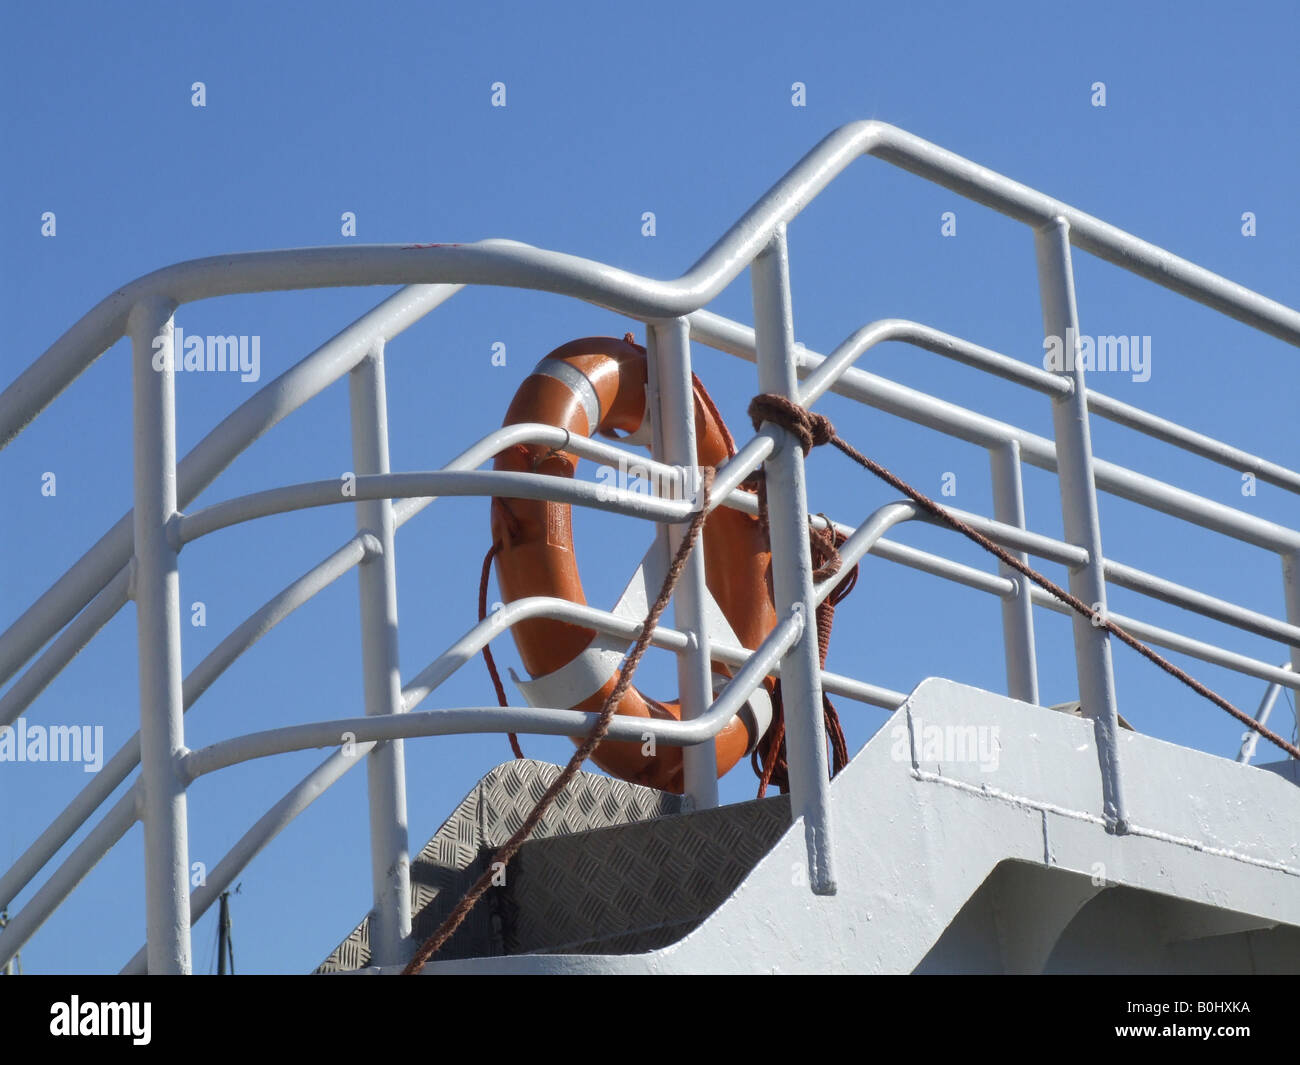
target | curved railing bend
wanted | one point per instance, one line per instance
(138, 558)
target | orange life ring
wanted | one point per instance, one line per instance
(598, 385)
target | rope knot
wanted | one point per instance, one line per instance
(809, 428)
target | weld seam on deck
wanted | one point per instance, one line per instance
(1023, 801)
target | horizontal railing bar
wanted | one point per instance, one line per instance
(508, 263)
(873, 694)
(860, 539)
(1198, 602)
(816, 384)
(946, 569)
(904, 554)
(1099, 238)
(1135, 579)
(254, 841)
(1015, 538)
(511, 614)
(1136, 487)
(953, 420)
(895, 513)
(1174, 641)
(191, 527)
(472, 457)
(963, 351)
(217, 450)
(1195, 443)
(1117, 573)
(738, 468)
(527, 719)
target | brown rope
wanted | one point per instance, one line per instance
(769, 758)
(812, 429)
(825, 544)
(625, 673)
(493, 551)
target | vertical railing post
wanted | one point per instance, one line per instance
(156, 590)
(792, 580)
(1079, 509)
(390, 926)
(1291, 598)
(1250, 738)
(1018, 610)
(671, 357)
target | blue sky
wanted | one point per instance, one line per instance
(612, 110)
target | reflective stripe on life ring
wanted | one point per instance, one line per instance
(598, 385)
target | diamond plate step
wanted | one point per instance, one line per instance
(454, 858)
(635, 887)
(613, 868)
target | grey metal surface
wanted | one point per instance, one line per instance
(670, 381)
(921, 831)
(1078, 490)
(1018, 644)
(489, 814)
(792, 570)
(381, 671)
(1026, 920)
(634, 887)
(144, 544)
(155, 587)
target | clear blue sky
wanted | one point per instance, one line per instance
(612, 110)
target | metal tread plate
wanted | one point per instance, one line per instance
(485, 819)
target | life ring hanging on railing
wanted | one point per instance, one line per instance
(598, 385)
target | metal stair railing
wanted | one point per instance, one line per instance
(137, 559)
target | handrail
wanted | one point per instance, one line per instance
(973, 427)
(102, 580)
(540, 721)
(510, 263)
(218, 449)
(814, 386)
(736, 339)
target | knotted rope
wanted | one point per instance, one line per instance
(769, 757)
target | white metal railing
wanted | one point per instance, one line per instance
(138, 558)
